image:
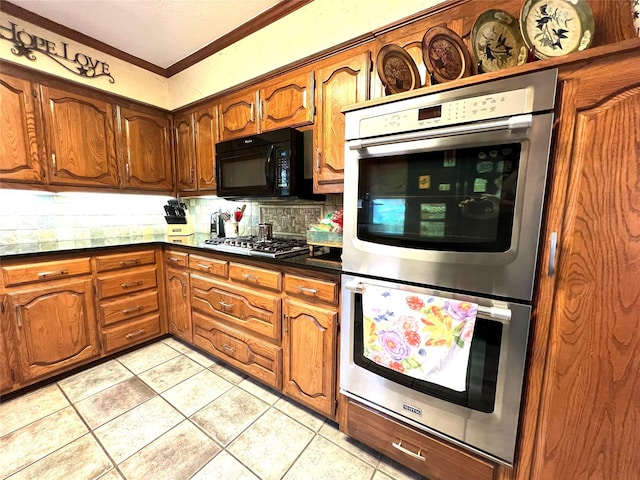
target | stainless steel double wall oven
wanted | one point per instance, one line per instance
(444, 197)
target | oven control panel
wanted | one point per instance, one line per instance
(472, 109)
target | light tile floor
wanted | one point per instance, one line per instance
(166, 411)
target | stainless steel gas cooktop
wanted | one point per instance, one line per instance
(249, 245)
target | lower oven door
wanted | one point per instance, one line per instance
(406, 352)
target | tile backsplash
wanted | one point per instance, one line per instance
(35, 217)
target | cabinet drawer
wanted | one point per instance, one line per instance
(42, 271)
(126, 282)
(311, 288)
(258, 358)
(104, 263)
(212, 266)
(404, 444)
(130, 306)
(177, 259)
(131, 333)
(258, 312)
(256, 277)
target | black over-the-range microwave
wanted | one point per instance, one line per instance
(266, 165)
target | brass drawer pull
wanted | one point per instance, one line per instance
(137, 308)
(228, 348)
(132, 284)
(19, 316)
(134, 261)
(53, 273)
(248, 276)
(417, 456)
(174, 259)
(135, 334)
(225, 305)
(302, 289)
(203, 265)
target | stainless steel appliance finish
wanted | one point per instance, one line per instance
(253, 246)
(514, 112)
(491, 434)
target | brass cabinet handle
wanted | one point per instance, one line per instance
(137, 308)
(417, 456)
(132, 284)
(53, 273)
(19, 316)
(318, 156)
(302, 289)
(228, 348)
(248, 276)
(133, 261)
(285, 322)
(135, 334)
(225, 305)
(184, 289)
(174, 259)
(202, 265)
(54, 164)
(553, 245)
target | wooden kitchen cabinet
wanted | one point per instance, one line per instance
(20, 151)
(55, 326)
(196, 134)
(286, 102)
(341, 81)
(8, 373)
(145, 149)
(128, 301)
(81, 143)
(179, 303)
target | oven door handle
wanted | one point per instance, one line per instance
(518, 122)
(499, 314)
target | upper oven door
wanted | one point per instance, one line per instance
(458, 207)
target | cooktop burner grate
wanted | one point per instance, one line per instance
(249, 245)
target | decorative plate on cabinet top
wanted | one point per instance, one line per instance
(556, 27)
(397, 70)
(496, 41)
(445, 55)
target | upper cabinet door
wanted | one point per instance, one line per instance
(19, 153)
(340, 83)
(288, 103)
(146, 150)
(239, 115)
(80, 137)
(185, 153)
(205, 125)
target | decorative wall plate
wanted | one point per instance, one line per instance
(445, 55)
(496, 41)
(556, 27)
(397, 70)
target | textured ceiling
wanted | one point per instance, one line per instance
(161, 32)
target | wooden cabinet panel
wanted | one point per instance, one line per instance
(212, 266)
(340, 83)
(127, 307)
(289, 102)
(55, 327)
(256, 277)
(252, 310)
(310, 349)
(205, 126)
(129, 281)
(22, 273)
(258, 358)
(179, 303)
(146, 151)
(429, 456)
(129, 333)
(116, 261)
(238, 115)
(19, 120)
(185, 153)
(176, 259)
(8, 373)
(80, 139)
(311, 288)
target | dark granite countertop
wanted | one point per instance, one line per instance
(31, 251)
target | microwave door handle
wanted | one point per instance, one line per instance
(499, 314)
(519, 122)
(269, 173)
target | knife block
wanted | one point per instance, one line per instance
(183, 226)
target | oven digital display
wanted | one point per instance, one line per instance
(430, 112)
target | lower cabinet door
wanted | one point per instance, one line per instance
(179, 302)
(427, 455)
(56, 328)
(256, 357)
(132, 332)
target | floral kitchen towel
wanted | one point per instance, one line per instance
(422, 336)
